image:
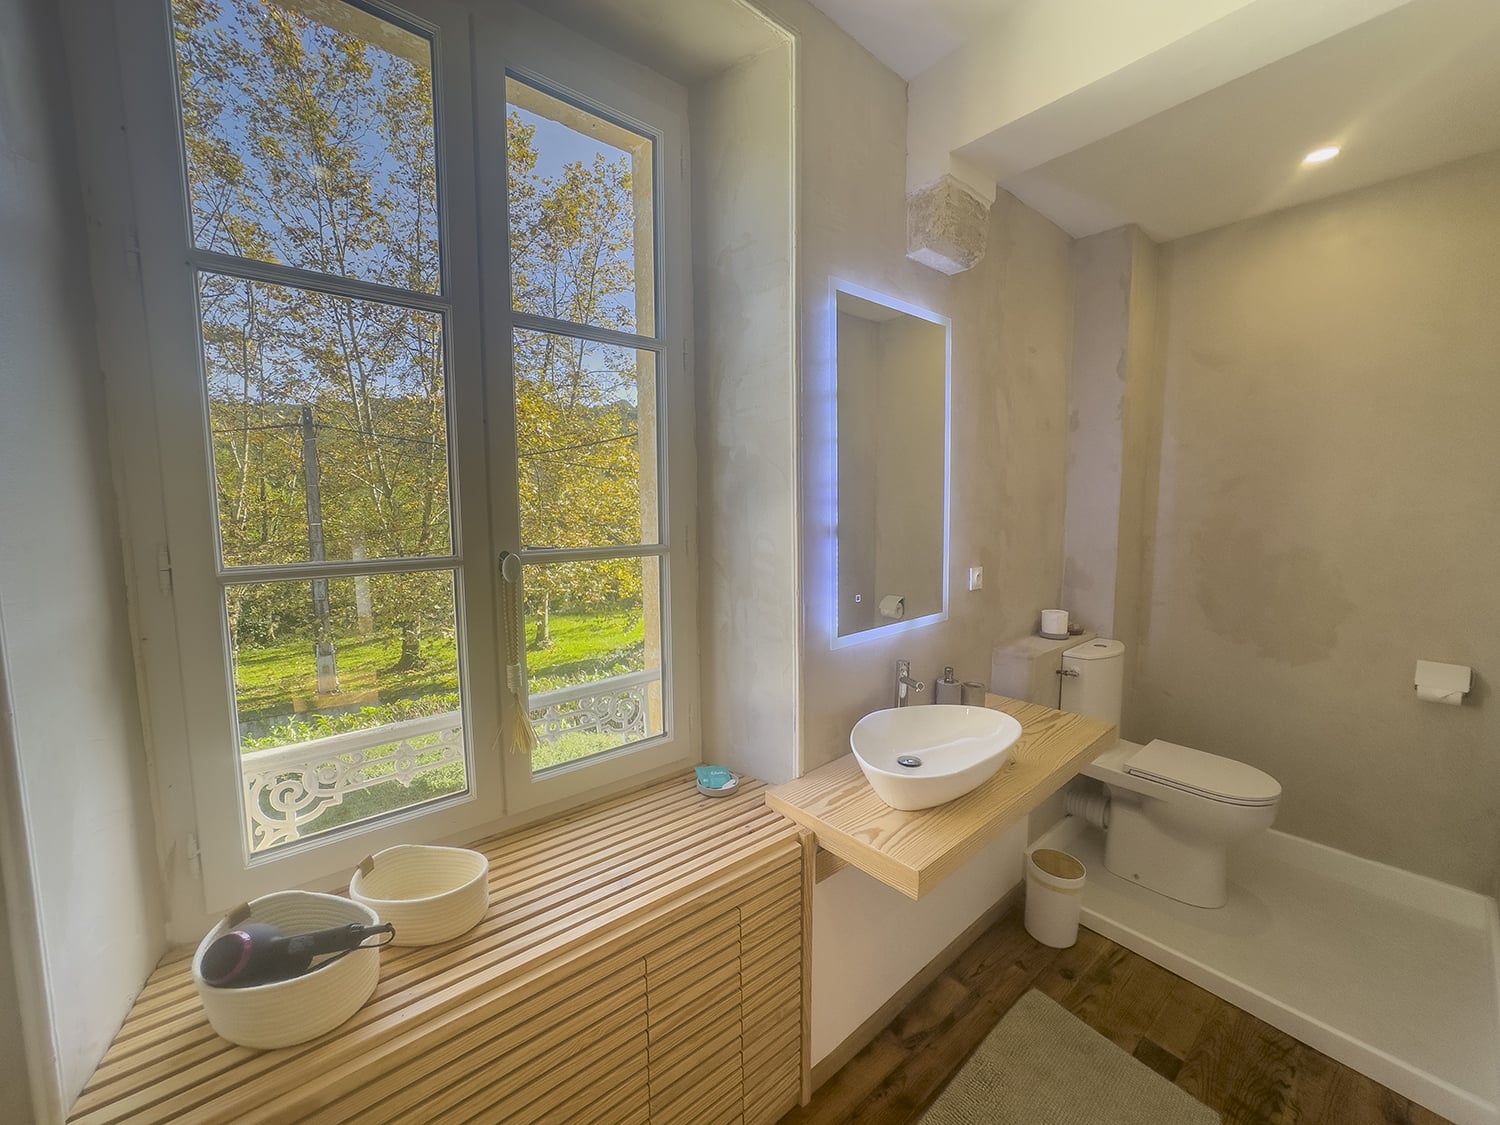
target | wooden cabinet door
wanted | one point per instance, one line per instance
(771, 936)
(693, 1026)
(575, 1052)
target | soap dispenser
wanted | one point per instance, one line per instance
(947, 690)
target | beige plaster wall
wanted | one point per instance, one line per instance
(1140, 439)
(1096, 440)
(1329, 484)
(1011, 340)
(15, 1088)
(71, 761)
(743, 206)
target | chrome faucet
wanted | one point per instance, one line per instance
(904, 681)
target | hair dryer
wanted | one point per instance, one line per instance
(259, 953)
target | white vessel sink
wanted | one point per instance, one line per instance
(924, 755)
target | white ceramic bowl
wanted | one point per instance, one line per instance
(286, 1012)
(429, 894)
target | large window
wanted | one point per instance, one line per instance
(363, 399)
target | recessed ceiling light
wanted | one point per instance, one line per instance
(1321, 155)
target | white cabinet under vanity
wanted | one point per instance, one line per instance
(643, 960)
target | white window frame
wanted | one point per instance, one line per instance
(536, 50)
(188, 671)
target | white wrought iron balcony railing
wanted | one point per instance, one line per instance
(616, 705)
(288, 788)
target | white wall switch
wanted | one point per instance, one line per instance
(976, 577)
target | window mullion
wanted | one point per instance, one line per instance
(589, 332)
(295, 572)
(275, 273)
(530, 555)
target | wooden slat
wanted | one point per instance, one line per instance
(782, 1010)
(770, 1083)
(809, 852)
(716, 1103)
(698, 1085)
(771, 1037)
(778, 1096)
(495, 1048)
(774, 1025)
(679, 1065)
(770, 901)
(774, 932)
(570, 899)
(596, 1101)
(695, 1027)
(592, 1058)
(710, 940)
(768, 975)
(598, 1040)
(697, 993)
(915, 851)
(628, 1103)
(783, 946)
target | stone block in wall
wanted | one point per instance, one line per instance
(946, 226)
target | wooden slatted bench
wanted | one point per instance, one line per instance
(644, 959)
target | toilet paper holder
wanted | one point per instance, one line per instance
(1442, 683)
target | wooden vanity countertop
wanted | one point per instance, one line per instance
(915, 851)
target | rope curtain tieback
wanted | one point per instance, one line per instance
(522, 736)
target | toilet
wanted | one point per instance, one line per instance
(1169, 812)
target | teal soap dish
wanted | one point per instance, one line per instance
(716, 781)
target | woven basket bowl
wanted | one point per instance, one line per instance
(429, 894)
(292, 1011)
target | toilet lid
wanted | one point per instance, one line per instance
(1207, 775)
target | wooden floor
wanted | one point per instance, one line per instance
(1224, 1057)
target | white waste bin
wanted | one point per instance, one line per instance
(1054, 896)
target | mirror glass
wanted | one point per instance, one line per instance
(892, 436)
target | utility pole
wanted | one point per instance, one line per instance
(323, 651)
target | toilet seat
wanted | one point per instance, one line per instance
(1203, 775)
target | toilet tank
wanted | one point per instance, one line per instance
(1093, 679)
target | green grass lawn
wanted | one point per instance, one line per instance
(585, 647)
(276, 682)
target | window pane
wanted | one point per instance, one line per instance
(329, 425)
(347, 697)
(593, 656)
(310, 141)
(581, 222)
(586, 440)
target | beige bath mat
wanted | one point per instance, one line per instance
(1043, 1066)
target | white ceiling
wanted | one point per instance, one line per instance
(911, 35)
(686, 40)
(1413, 88)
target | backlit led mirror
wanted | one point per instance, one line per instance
(892, 438)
